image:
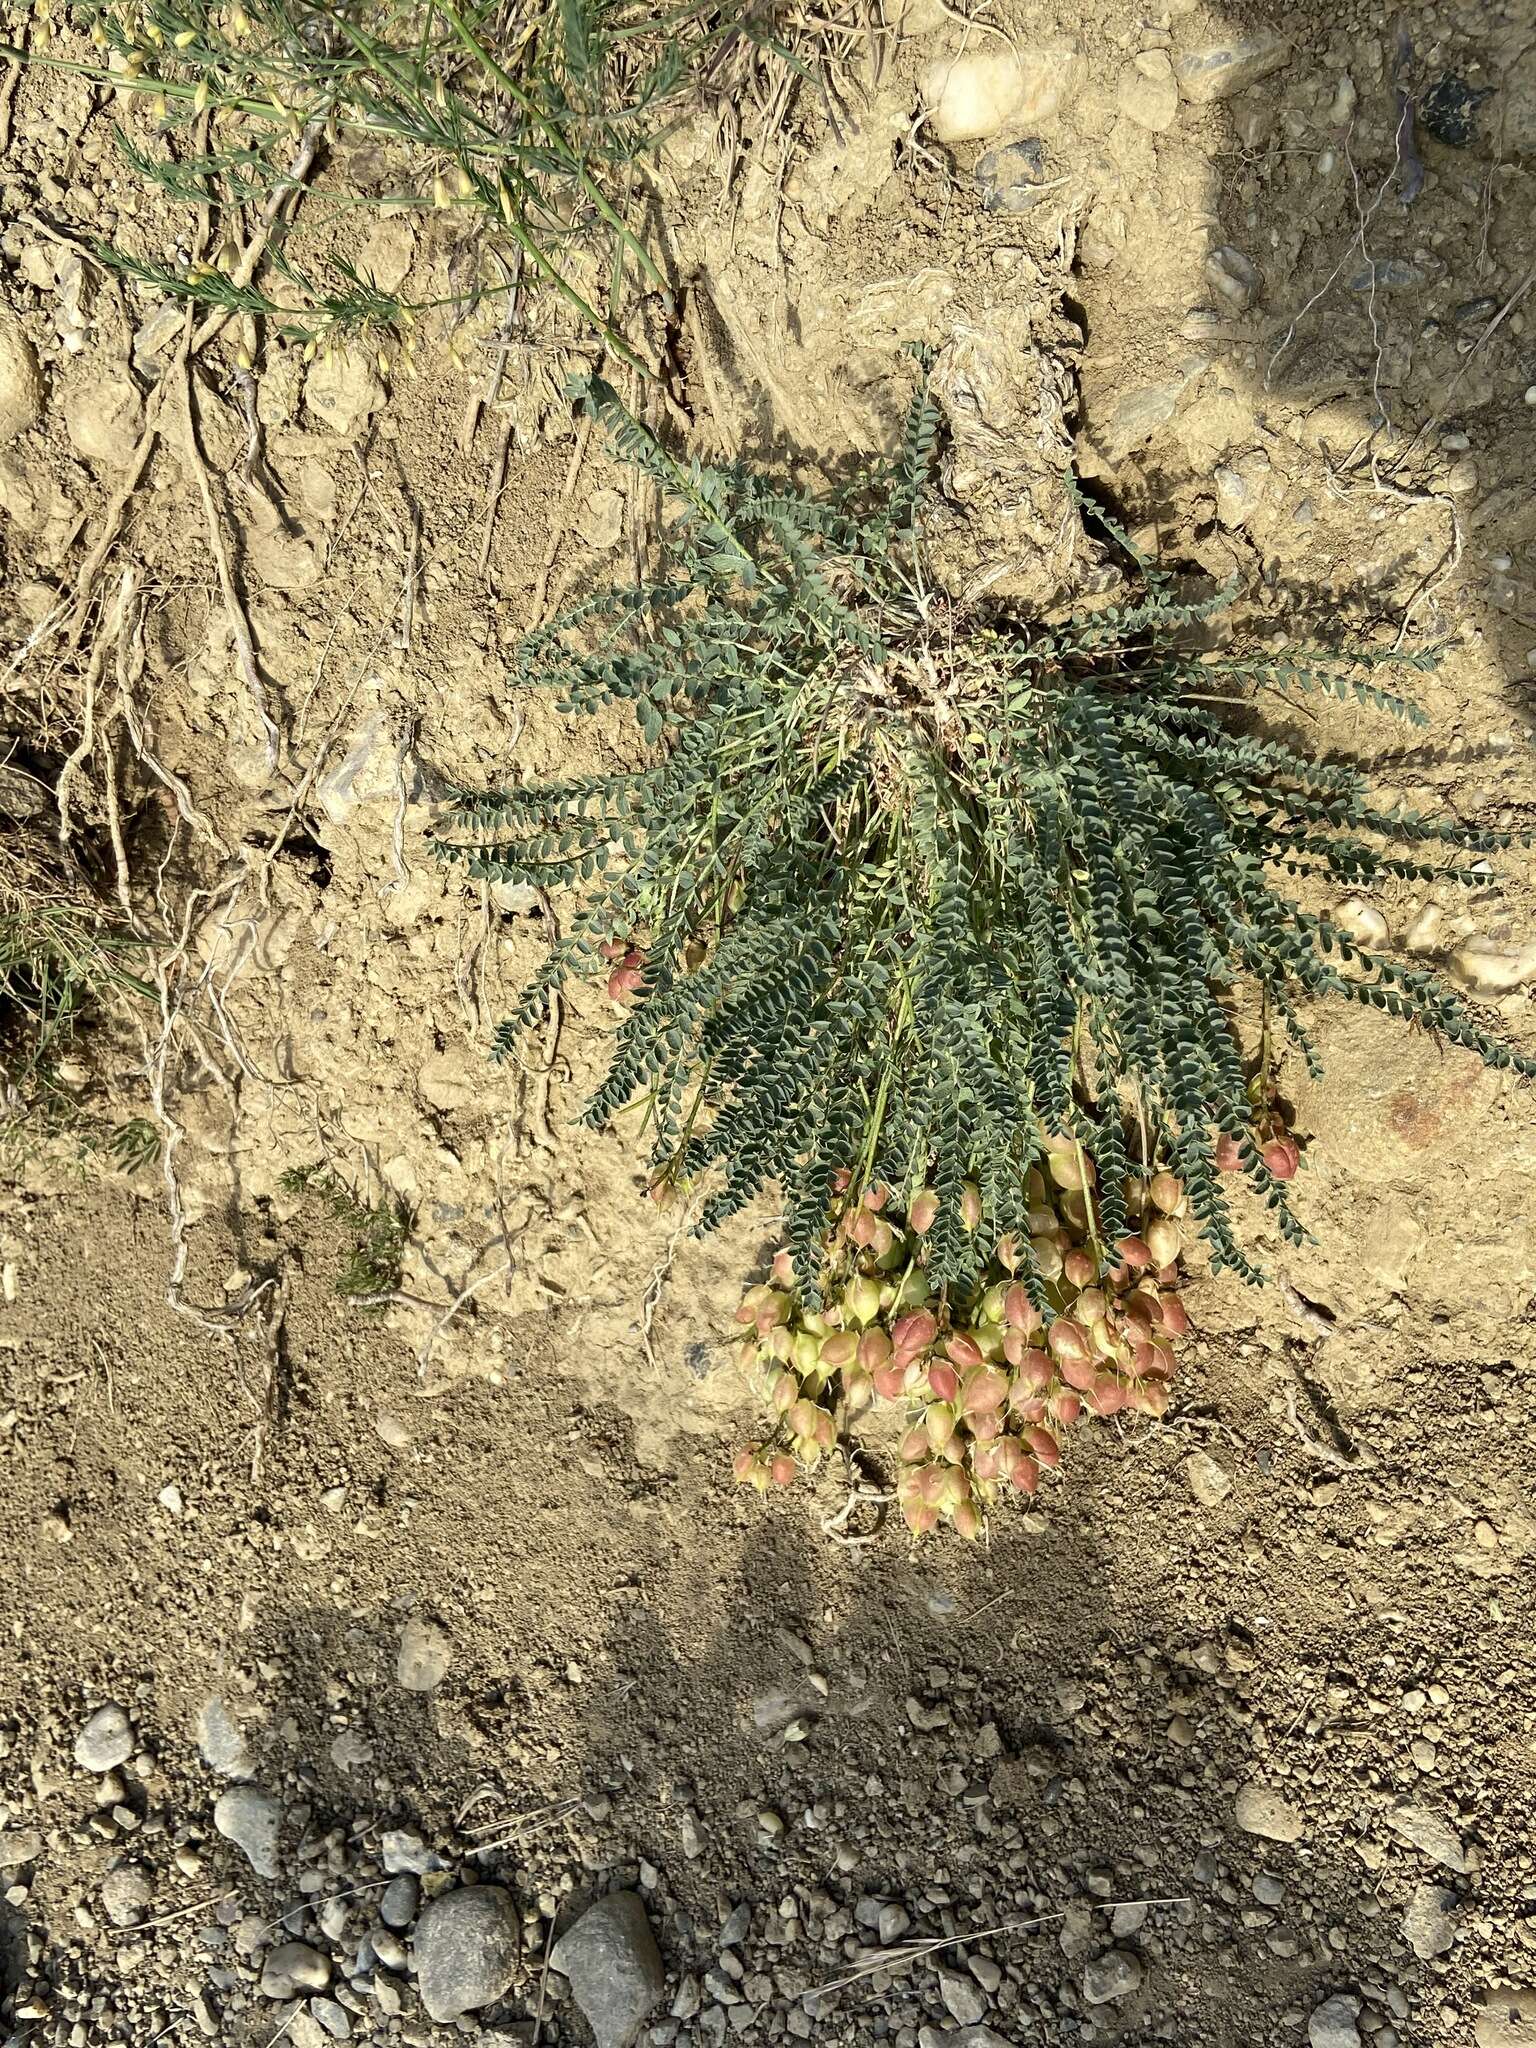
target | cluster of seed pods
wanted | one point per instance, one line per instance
(988, 1382)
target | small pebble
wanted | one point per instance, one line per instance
(105, 1741)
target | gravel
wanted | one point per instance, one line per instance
(105, 1741)
(614, 1968)
(466, 1950)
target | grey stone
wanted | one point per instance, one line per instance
(962, 1997)
(400, 1902)
(611, 1962)
(1113, 1975)
(105, 1741)
(125, 1895)
(1233, 277)
(1430, 1832)
(1388, 275)
(292, 1969)
(1260, 1811)
(405, 1854)
(426, 1650)
(892, 1924)
(1430, 1921)
(1222, 69)
(1332, 2024)
(337, 2021)
(220, 1741)
(1209, 1482)
(252, 1820)
(466, 1950)
(1269, 1891)
(1009, 179)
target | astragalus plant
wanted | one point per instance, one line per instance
(912, 892)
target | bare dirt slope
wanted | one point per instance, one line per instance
(1231, 1741)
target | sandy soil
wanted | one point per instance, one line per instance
(1268, 1666)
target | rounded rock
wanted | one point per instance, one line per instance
(401, 1902)
(1332, 2024)
(294, 1969)
(1111, 1976)
(21, 381)
(426, 1650)
(125, 1895)
(105, 1741)
(466, 1950)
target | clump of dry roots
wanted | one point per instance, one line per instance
(989, 1380)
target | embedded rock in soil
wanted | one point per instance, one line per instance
(1221, 70)
(105, 1741)
(466, 1950)
(611, 1961)
(1259, 1811)
(125, 1895)
(1429, 1832)
(1209, 1482)
(1429, 1924)
(1009, 177)
(220, 1742)
(1111, 1976)
(252, 1821)
(962, 1997)
(1149, 92)
(343, 389)
(21, 381)
(1490, 969)
(1332, 2025)
(426, 1650)
(972, 96)
(105, 419)
(1233, 277)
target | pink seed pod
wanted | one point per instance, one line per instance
(953, 1488)
(780, 1343)
(877, 1196)
(968, 1520)
(1033, 1372)
(943, 1380)
(751, 1302)
(801, 1420)
(983, 1393)
(1008, 1253)
(1143, 1360)
(939, 1421)
(861, 1227)
(1030, 1410)
(1164, 1241)
(1227, 1155)
(919, 1518)
(1064, 1407)
(970, 1205)
(1091, 1305)
(1042, 1220)
(747, 1466)
(874, 1349)
(1019, 1312)
(1078, 1269)
(890, 1381)
(614, 949)
(1133, 1252)
(962, 1350)
(1079, 1372)
(1167, 1192)
(781, 1468)
(1283, 1157)
(922, 1210)
(842, 1181)
(1026, 1475)
(1047, 1257)
(1167, 1276)
(1044, 1446)
(1175, 1316)
(628, 978)
(987, 1461)
(858, 1391)
(914, 1332)
(784, 1270)
(1163, 1365)
(1152, 1397)
(984, 1428)
(1067, 1339)
(826, 1430)
(1107, 1396)
(773, 1312)
(883, 1243)
(914, 1447)
(838, 1350)
(784, 1392)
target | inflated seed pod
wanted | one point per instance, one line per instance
(1047, 1258)
(1133, 1252)
(890, 1381)
(990, 1308)
(875, 1349)
(1167, 1192)
(967, 1520)
(970, 1205)
(861, 1298)
(915, 1332)
(943, 1379)
(939, 1420)
(1283, 1158)
(781, 1468)
(1067, 1339)
(838, 1350)
(922, 1210)
(1228, 1153)
(1175, 1316)
(1078, 1269)
(983, 1391)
